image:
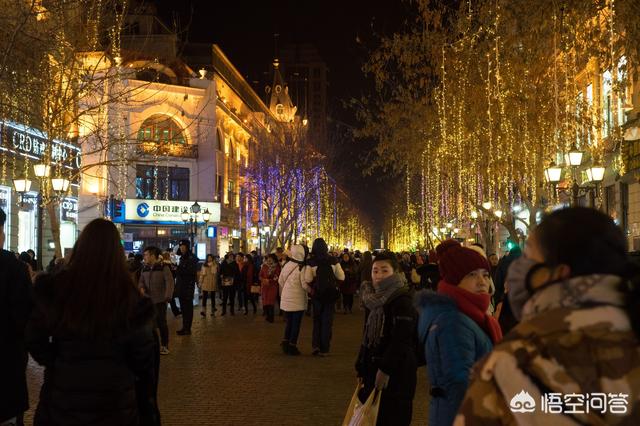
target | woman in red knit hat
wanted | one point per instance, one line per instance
(455, 327)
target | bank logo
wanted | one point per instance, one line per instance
(523, 403)
(143, 209)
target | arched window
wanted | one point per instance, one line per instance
(162, 130)
(219, 141)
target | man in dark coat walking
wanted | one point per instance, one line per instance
(186, 283)
(501, 273)
(15, 307)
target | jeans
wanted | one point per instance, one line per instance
(186, 303)
(174, 307)
(161, 323)
(240, 291)
(322, 325)
(228, 296)
(205, 296)
(250, 297)
(347, 302)
(269, 312)
(293, 320)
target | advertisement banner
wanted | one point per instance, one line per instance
(164, 212)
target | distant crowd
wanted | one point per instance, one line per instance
(555, 323)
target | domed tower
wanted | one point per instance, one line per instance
(280, 102)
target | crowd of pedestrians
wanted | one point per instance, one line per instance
(487, 328)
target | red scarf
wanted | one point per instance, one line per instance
(474, 305)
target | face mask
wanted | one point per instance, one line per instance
(516, 282)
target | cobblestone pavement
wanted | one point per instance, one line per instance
(231, 371)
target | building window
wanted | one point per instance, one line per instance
(589, 106)
(161, 129)
(607, 98)
(219, 187)
(219, 141)
(173, 182)
(623, 96)
(230, 189)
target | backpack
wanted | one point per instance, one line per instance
(326, 288)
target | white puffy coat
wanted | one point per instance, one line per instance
(293, 296)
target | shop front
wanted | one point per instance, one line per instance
(32, 163)
(163, 224)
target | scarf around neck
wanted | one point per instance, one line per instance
(374, 300)
(577, 292)
(474, 305)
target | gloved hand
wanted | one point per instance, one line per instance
(382, 380)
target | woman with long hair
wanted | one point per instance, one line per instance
(93, 332)
(269, 273)
(576, 293)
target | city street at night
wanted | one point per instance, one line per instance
(231, 371)
(401, 212)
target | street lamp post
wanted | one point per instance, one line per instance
(190, 218)
(595, 175)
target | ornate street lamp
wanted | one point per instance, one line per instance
(574, 157)
(553, 173)
(21, 185)
(185, 215)
(60, 184)
(41, 170)
(595, 173)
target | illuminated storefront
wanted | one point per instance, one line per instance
(28, 225)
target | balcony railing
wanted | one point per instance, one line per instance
(168, 149)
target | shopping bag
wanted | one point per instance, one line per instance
(367, 414)
(355, 402)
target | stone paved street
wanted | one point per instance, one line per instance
(231, 371)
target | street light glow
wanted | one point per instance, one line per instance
(595, 173)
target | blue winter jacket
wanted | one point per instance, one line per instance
(453, 342)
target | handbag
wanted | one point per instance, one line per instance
(355, 402)
(255, 289)
(227, 281)
(367, 414)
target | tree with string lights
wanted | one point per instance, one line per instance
(474, 103)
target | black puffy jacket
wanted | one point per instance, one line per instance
(93, 381)
(394, 355)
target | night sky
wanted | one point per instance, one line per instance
(245, 32)
(344, 32)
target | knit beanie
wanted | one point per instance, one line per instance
(456, 261)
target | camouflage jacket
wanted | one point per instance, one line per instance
(573, 360)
